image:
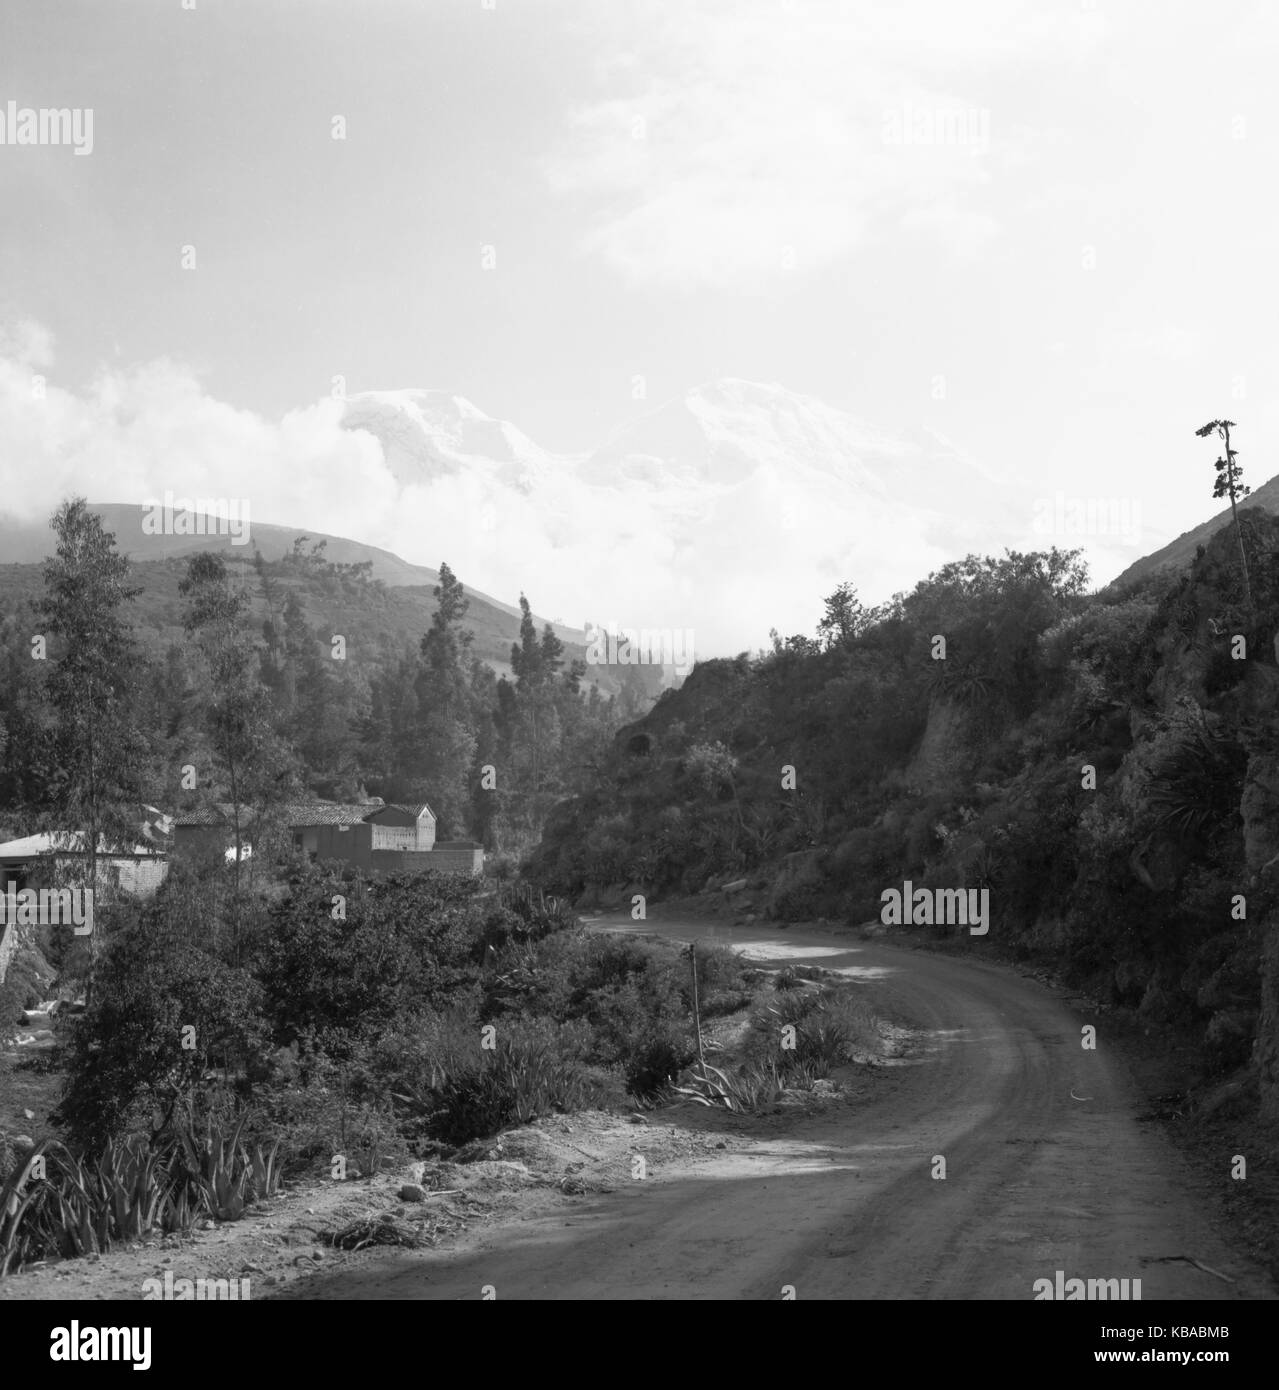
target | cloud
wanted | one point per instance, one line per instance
(755, 138)
(727, 559)
(132, 434)
(1169, 342)
(26, 342)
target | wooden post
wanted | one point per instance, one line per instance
(697, 1013)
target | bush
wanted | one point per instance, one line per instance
(515, 1082)
(654, 1059)
(163, 1014)
(831, 1024)
(406, 942)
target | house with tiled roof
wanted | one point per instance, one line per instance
(375, 836)
(213, 823)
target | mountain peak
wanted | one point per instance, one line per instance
(725, 430)
(426, 433)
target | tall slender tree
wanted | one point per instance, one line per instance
(447, 730)
(253, 760)
(101, 753)
(1229, 484)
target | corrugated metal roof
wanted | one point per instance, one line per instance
(73, 842)
(411, 810)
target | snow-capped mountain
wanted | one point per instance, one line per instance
(426, 434)
(722, 433)
(736, 495)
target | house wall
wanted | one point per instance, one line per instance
(396, 837)
(447, 857)
(354, 843)
(137, 877)
(394, 829)
(356, 846)
(197, 838)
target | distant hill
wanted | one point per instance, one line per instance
(1178, 554)
(401, 616)
(26, 542)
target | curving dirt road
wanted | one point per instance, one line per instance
(845, 1205)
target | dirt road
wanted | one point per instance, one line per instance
(1047, 1168)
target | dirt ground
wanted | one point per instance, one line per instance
(1057, 1161)
(542, 1170)
(1051, 1163)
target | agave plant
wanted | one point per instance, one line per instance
(264, 1170)
(131, 1188)
(59, 1213)
(711, 1088)
(1195, 785)
(212, 1161)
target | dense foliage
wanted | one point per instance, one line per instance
(832, 768)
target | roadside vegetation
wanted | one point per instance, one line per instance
(360, 1026)
(1105, 764)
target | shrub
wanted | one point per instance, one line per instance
(133, 1188)
(163, 1014)
(655, 1058)
(512, 1084)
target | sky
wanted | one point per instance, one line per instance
(1043, 229)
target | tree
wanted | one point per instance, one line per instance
(711, 766)
(845, 617)
(127, 1053)
(526, 654)
(237, 706)
(101, 753)
(447, 735)
(1229, 484)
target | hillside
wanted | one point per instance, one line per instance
(342, 683)
(1176, 555)
(25, 542)
(1107, 768)
(382, 621)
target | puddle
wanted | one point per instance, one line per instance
(783, 950)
